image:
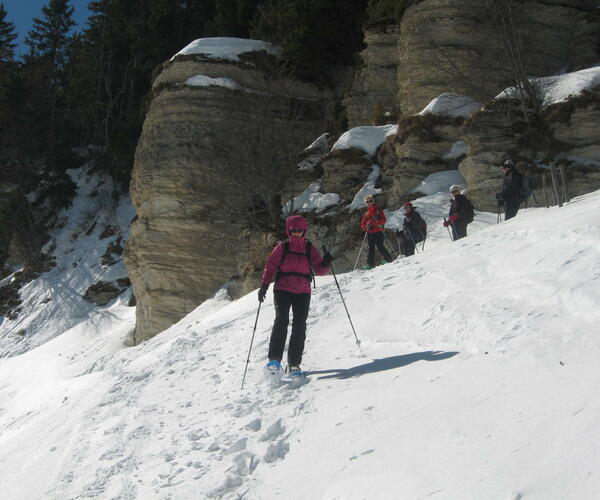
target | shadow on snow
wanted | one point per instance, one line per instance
(380, 365)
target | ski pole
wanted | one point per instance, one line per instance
(251, 342)
(360, 251)
(389, 242)
(413, 241)
(424, 238)
(449, 233)
(343, 301)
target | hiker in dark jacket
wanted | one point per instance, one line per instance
(413, 230)
(510, 194)
(372, 223)
(460, 214)
(291, 271)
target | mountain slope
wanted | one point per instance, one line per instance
(476, 378)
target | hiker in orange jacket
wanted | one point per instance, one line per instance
(372, 223)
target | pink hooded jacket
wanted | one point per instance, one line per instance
(292, 262)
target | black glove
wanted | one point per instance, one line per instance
(262, 292)
(327, 259)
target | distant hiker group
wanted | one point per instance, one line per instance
(294, 262)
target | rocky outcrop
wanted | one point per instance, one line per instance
(373, 95)
(185, 243)
(421, 147)
(345, 171)
(566, 132)
(464, 52)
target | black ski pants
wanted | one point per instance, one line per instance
(376, 240)
(300, 303)
(459, 229)
(510, 209)
(406, 243)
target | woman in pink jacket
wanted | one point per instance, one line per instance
(290, 265)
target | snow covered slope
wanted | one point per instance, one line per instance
(477, 379)
(86, 247)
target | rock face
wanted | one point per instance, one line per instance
(185, 243)
(375, 88)
(464, 52)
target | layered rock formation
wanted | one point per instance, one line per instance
(185, 243)
(460, 46)
(375, 88)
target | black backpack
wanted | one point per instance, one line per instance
(470, 211)
(286, 250)
(528, 184)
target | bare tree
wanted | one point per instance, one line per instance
(497, 58)
(259, 160)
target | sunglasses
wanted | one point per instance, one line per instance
(370, 201)
(296, 230)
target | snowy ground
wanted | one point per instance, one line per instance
(95, 222)
(476, 379)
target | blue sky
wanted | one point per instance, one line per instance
(22, 12)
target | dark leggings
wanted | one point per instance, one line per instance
(459, 230)
(300, 303)
(510, 209)
(376, 240)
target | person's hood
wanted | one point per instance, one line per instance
(296, 222)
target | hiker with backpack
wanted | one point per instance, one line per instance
(414, 230)
(511, 193)
(460, 215)
(291, 266)
(372, 223)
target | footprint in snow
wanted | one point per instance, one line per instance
(239, 445)
(276, 451)
(273, 431)
(244, 464)
(255, 425)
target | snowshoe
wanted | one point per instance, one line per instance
(273, 371)
(294, 375)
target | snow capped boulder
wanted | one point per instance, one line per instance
(226, 48)
(367, 139)
(452, 106)
(559, 88)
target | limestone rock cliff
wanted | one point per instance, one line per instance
(375, 86)
(456, 46)
(184, 243)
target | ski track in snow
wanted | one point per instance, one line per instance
(475, 379)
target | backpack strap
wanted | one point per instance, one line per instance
(286, 250)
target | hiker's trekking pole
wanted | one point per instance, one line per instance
(413, 241)
(424, 238)
(446, 224)
(359, 251)
(343, 301)
(390, 243)
(251, 342)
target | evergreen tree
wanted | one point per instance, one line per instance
(7, 38)
(47, 71)
(50, 37)
(313, 33)
(233, 18)
(382, 12)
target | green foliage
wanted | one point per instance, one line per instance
(382, 12)
(7, 38)
(313, 33)
(232, 18)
